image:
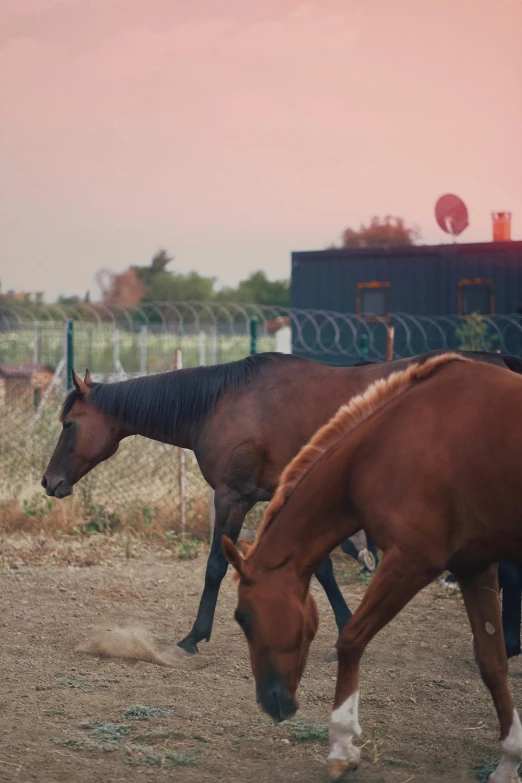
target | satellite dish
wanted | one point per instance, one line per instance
(451, 214)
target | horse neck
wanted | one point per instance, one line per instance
(310, 525)
(161, 412)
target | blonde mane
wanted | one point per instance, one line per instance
(354, 412)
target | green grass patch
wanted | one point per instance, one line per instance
(83, 682)
(100, 735)
(364, 576)
(112, 732)
(147, 757)
(53, 712)
(484, 771)
(310, 732)
(184, 546)
(142, 712)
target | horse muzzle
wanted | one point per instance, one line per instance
(275, 699)
(56, 486)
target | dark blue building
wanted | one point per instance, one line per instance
(378, 284)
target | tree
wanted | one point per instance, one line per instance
(386, 231)
(159, 262)
(155, 283)
(69, 300)
(124, 289)
(258, 289)
(174, 286)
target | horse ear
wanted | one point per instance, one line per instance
(87, 378)
(232, 555)
(79, 385)
(244, 547)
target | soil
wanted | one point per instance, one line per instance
(424, 712)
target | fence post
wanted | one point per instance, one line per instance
(202, 348)
(253, 334)
(37, 344)
(364, 343)
(115, 350)
(69, 353)
(118, 369)
(213, 345)
(143, 350)
(89, 348)
(178, 365)
(389, 343)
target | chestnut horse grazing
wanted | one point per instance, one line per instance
(244, 420)
(429, 463)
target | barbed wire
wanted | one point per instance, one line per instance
(330, 336)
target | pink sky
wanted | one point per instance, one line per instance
(233, 132)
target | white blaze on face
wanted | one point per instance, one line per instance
(506, 772)
(344, 726)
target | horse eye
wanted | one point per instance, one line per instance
(67, 424)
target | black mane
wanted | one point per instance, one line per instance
(166, 403)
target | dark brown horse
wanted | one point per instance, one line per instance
(244, 421)
(429, 462)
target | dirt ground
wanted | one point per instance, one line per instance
(424, 711)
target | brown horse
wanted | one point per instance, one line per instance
(244, 421)
(429, 462)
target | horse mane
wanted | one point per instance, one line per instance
(350, 415)
(164, 403)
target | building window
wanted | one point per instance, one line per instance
(373, 300)
(476, 296)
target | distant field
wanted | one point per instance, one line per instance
(97, 347)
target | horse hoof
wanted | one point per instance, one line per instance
(332, 656)
(367, 560)
(188, 646)
(338, 769)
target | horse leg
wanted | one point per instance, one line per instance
(482, 603)
(395, 583)
(367, 556)
(231, 511)
(325, 577)
(372, 549)
(509, 583)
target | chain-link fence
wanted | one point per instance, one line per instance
(148, 486)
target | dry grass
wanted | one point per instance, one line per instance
(137, 490)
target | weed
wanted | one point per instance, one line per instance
(484, 772)
(364, 576)
(99, 519)
(391, 761)
(37, 507)
(310, 732)
(142, 712)
(109, 731)
(102, 736)
(143, 756)
(475, 334)
(186, 547)
(83, 682)
(148, 515)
